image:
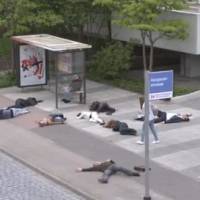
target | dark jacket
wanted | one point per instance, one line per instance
(22, 103)
(99, 167)
(161, 117)
(101, 107)
(123, 128)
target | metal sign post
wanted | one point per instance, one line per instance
(146, 140)
(158, 85)
(56, 80)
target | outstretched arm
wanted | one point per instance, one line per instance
(88, 169)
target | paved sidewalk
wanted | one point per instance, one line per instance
(57, 150)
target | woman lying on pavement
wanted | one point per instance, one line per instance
(122, 127)
(52, 119)
(168, 117)
(92, 116)
(108, 167)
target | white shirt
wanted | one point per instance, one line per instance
(151, 115)
(170, 115)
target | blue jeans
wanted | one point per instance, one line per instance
(152, 128)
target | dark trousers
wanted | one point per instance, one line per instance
(176, 119)
(123, 128)
(113, 169)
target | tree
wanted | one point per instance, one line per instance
(145, 16)
(50, 16)
(25, 16)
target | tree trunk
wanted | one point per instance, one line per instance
(151, 51)
(109, 26)
(80, 33)
(144, 50)
(151, 57)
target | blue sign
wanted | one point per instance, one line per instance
(160, 85)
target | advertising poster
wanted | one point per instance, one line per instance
(32, 66)
(65, 62)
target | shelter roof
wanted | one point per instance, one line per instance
(50, 42)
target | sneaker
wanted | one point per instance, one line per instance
(140, 142)
(156, 142)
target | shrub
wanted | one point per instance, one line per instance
(5, 46)
(7, 79)
(111, 61)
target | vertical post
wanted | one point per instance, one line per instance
(56, 80)
(146, 132)
(84, 79)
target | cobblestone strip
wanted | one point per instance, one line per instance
(18, 182)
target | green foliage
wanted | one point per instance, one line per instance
(5, 46)
(182, 91)
(7, 79)
(111, 61)
(146, 16)
(50, 16)
(25, 16)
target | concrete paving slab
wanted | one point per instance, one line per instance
(167, 138)
(180, 160)
(99, 131)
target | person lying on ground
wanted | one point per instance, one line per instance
(122, 127)
(168, 117)
(92, 116)
(108, 167)
(22, 103)
(7, 113)
(52, 119)
(101, 107)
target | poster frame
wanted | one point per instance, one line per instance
(19, 73)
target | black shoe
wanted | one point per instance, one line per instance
(140, 168)
(103, 123)
(135, 174)
(78, 114)
(102, 180)
(66, 101)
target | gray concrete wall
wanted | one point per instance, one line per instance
(190, 65)
(189, 45)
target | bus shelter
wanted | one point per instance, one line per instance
(33, 56)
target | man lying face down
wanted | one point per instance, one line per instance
(108, 167)
(101, 107)
(122, 127)
(7, 113)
